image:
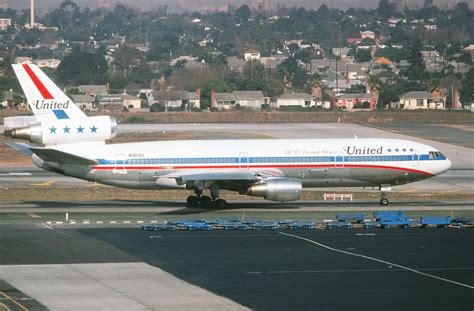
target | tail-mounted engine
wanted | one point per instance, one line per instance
(65, 131)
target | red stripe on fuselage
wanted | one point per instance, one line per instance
(169, 167)
(39, 85)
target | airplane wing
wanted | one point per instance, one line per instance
(236, 177)
(53, 155)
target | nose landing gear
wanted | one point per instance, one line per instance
(384, 200)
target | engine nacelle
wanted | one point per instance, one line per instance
(64, 131)
(281, 190)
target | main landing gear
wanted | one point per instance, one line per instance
(384, 200)
(204, 201)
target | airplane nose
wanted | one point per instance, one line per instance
(448, 164)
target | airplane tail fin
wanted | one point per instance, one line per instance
(46, 99)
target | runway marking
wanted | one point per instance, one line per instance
(14, 301)
(354, 270)
(20, 174)
(60, 232)
(33, 215)
(368, 234)
(44, 184)
(4, 306)
(377, 260)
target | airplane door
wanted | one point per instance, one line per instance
(120, 164)
(339, 160)
(415, 158)
(244, 160)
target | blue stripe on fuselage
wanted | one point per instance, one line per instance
(236, 160)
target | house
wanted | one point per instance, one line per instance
(392, 22)
(273, 61)
(235, 64)
(8, 101)
(355, 101)
(252, 54)
(351, 40)
(295, 99)
(5, 23)
(250, 99)
(50, 63)
(131, 102)
(85, 102)
(223, 101)
(343, 84)
(176, 100)
(246, 99)
(422, 100)
(470, 50)
(110, 102)
(23, 60)
(341, 52)
(367, 35)
(93, 90)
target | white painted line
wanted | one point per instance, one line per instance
(72, 222)
(140, 221)
(48, 222)
(368, 234)
(59, 222)
(86, 222)
(155, 236)
(113, 222)
(99, 222)
(126, 221)
(377, 260)
(19, 174)
(327, 220)
(389, 269)
(154, 221)
(60, 232)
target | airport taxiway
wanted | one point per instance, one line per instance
(100, 259)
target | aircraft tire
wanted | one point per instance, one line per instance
(220, 203)
(384, 201)
(192, 201)
(206, 202)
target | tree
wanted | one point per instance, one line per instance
(467, 91)
(82, 68)
(362, 56)
(293, 73)
(126, 57)
(243, 12)
(253, 76)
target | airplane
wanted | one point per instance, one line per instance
(68, 142)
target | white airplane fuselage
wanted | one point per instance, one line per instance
(314, 162)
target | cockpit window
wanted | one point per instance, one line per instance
(434, 155)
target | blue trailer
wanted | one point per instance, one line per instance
(440, 222)
(388, 214)
(371, 224)
(387, 222)
(302, 225)
(339, 225)
(358, 217)
(193, 225)
(265, 225)
(158, 227)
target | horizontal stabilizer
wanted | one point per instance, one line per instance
(53, 155)
(22, 147)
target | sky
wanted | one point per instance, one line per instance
(211, 5)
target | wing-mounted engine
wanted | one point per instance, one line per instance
(61, 131)
(281, 190)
